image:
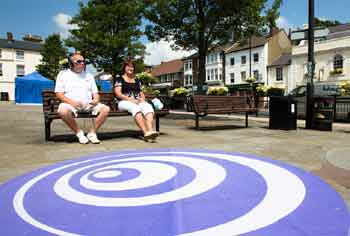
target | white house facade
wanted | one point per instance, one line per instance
(213, 68)
(237, 65)
(17, 58)
(253, 58)
(332, 57)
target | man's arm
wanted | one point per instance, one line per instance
(95, 100)
(63, 98)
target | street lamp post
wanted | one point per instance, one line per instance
(310, 67)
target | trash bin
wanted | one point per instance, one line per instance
(282, 113)
(322, 118)
(4, 96)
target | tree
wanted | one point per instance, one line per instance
(273, 14)
(52, 52)
(108, 32)
(326, 23)
(201, 24)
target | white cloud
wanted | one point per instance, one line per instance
(156, 52)
(62, 22)
(283, 22)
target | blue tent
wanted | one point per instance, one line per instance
(28, 88)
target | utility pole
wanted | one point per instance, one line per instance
(310, 66)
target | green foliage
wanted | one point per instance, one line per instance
(150, 90)
(273, 14)
(326, 23)
(344, 87)
(268, 90)
(337, 71)
(222, 90)
(52, 53)
(146, 78)
(179, 92)
(201, 24)
(108, 33)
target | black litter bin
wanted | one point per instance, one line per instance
(282, 113)
(322, 118)
(4, 96)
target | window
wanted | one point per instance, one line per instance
(20, 70)
(243, 75)
(338, 62)
(208, 75)
(0, 53)
(188, 65)
(188, 80)
(216, 74)
(232, 78)
(243, 59)
(256, 57)
(232, 61)
(256, 75)
(19, 55)
(0, 69)
(279, 74)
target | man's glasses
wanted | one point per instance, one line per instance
(79, 62)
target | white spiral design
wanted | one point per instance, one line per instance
(285, 191)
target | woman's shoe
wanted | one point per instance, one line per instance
(151, 135)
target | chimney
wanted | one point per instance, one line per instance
(9, 37)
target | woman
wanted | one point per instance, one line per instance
(132, 99)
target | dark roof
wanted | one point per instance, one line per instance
(284, 59)
(256, 42)
(169, 67)
(339, 31)
(24, 45)
(192, 56)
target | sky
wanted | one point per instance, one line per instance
(45, 17)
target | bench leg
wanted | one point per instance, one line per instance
(47, 129)
(157, 123)
(246, 119)
(197, 122)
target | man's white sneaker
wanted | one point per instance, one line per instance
(81, 137)
(93, 138)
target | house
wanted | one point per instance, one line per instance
(278, 72)
(191, 70)
(214, 67)
(17, 58)
(332, 57)
(252, 58)
(169, 75)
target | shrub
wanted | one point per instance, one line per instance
(151, 91)
(268, 90)
(217, 90)
(336, 71)
(344, 87)
(179, 92)
(146, 78)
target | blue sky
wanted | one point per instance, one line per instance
(44, 17)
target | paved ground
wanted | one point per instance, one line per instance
(325, 154)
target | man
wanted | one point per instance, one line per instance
(77, 91)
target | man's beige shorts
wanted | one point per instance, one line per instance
(89, 108)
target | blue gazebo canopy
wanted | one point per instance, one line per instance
(28, 88)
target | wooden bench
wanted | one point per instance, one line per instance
(50, 106)
(203, 105)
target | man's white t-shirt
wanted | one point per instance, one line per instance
(77, 86)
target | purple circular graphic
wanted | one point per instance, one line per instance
(168, 192)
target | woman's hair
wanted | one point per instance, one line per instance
(128, 62)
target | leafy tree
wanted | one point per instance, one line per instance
(273, 14)
(326, 23)
(201, 24)
(108, 32)
(52, 52)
